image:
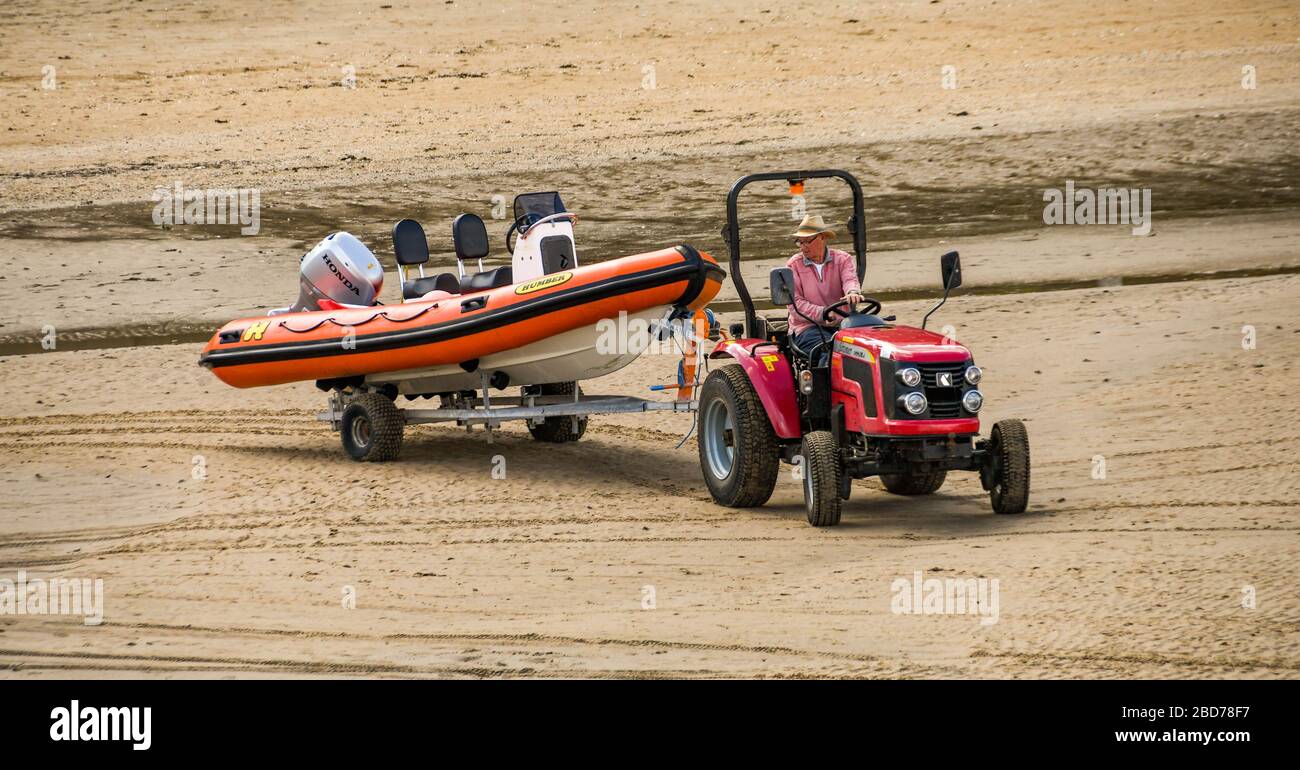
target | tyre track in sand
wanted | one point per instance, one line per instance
(525, 639)
(153, 415)
(800, 662)
(1087, 461)
(160, 663)
(105, 431)
(225, 546)
(107, 534)
(1144, 659)
(179, 665)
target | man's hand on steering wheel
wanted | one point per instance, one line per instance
(842, 309)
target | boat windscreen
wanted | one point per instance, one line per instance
(540, 204)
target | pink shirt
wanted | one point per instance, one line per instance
(812, 295)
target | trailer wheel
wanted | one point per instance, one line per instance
(914, 481)
(371, 428)
(821, 478)
(738, 453)
(1009, 448)
(558, 430)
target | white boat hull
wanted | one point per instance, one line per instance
(575, 355)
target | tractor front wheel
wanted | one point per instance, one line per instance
(821, 478)
(1009, 452)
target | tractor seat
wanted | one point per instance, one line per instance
(447, 282)
(488, 279)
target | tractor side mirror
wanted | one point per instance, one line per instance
(951, 265)
(782, 284)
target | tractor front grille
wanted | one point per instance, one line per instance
(945, 402)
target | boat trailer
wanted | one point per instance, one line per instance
(491, 412)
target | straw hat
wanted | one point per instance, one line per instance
(813, 225)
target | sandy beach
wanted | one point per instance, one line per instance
(230, 529)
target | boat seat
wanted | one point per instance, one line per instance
(411, 248)
(447, 282)
(470, 237)
(409, 244)
(488, 279)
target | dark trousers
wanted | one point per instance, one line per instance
(812, 337)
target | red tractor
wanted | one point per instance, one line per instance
(892, 401)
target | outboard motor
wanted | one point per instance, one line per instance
(339, 268)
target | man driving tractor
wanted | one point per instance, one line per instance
(822, 277)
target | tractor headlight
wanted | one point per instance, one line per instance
(973, 400)
(805, 382)
(911, 377)
(914, 403)
(974, 374)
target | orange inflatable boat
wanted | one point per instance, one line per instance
(450, 332)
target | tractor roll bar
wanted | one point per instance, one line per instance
(731, 232)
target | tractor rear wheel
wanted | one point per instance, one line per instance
(1009, 447)
(914, 481)
(738, 452)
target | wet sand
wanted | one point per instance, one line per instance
(192, 293)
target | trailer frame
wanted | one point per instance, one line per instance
(492, 412)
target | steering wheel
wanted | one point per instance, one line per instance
(522, 224)
(529, 220)
(841, 309)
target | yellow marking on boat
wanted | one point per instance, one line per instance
(544, 282)
(256, 331)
